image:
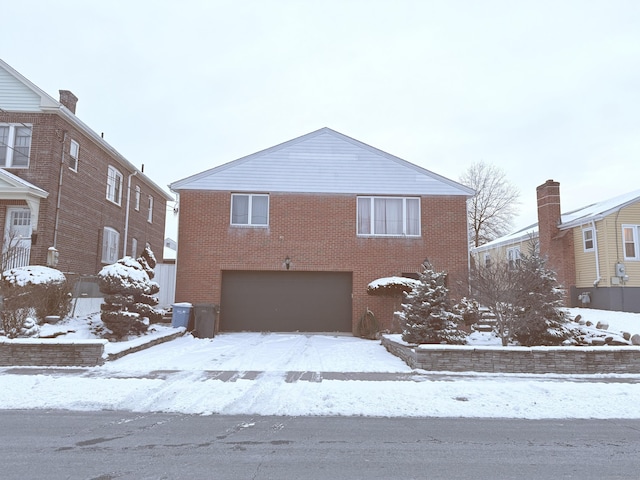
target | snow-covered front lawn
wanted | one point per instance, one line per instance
(182, 376)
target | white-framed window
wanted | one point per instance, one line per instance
(110, 242)
(74, 152)
(15, 145)
(150, 213)
(134, 247)
(630, 246)
(487, 259)
(250, 209)
(114, 185)
(388, 216)
(588, 240)
(137, 202)
(513, 257)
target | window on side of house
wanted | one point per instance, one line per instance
(150, 213)
(114, 185)
(250, 209)
(15, 145)
(110, 242)
(630, 234)
(487, 259)
(588, 240)
(74, 152)
(134, 247)
(137, 201)
(388, 216)
(513, 257)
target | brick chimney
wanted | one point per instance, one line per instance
(555, 244)
(69, 100)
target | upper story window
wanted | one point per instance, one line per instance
(630, 234)
(114, 185)
(110, 242)
(389, 216)
(250, 209)
(588, 241)
(150, 214)
(137, 204)
(15, 145)
(513, 257)
(74, 152)
(487, 259)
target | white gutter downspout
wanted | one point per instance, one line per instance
(126, 217)
(595, 244)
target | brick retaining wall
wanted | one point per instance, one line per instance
(560, 360)
(60, 353)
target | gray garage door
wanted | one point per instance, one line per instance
(285, 302)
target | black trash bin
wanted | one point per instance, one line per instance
(205, 320)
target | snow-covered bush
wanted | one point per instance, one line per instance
(539, 318)
(129, 294)
(30, 294)
(427, 314)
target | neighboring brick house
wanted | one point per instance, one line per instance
(594, 250)
(289, 238)
(64, 188)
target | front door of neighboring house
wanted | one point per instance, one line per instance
(16, 247)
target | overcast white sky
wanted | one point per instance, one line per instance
(542, 89)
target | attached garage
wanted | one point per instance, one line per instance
(286, 301)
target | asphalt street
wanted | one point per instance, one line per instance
(109, 445)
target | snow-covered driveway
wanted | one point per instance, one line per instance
(264, 353)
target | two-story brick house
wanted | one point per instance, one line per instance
(287, 239)
(64, 191)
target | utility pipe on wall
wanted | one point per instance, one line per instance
(126, 217)
(595, 247)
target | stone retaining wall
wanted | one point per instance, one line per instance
(560, 360)
(60, 353)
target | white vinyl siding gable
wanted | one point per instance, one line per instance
(388, 216)
(250, 210)
(324, 161)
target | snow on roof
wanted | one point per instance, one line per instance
(595, 211)
(580, 216)
(522, 234)
(33, 275)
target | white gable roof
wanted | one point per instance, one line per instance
(323, 161)
(17, 93)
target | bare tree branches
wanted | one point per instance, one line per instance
(494, 205)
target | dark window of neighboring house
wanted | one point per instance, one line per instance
(110, 242)
(513, 257)
(150, 214)
(630, 234)
(74, 152)
(587, 237)
(114, 185)
(137, 207)
(15, 145)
